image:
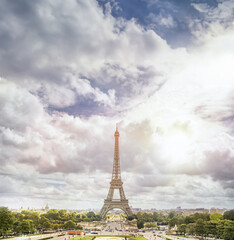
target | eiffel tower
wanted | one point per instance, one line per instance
(116, 183)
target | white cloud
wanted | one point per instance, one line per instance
(172, 106)
(201, 7)
(162, 20)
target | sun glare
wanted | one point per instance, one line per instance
(175, 146)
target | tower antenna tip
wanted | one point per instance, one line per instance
(117, 125)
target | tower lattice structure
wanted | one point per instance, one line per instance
(116, 184)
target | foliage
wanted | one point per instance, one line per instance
(132, 217)
(199, 227)
(216, 216)
(210, 228)
(216, 227)
(90, 214)
(174, 214)
(229, 215)
(140, 224)
(228, 233)
(175, 221)
(69, 225)
(150, 225)
(27, 226)
(191, 228)
(200, 224)
(6, 220)
(181, 229)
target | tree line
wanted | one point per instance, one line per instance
(30, 222)
(206, 225)
(200, 224)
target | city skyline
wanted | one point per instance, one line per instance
(70, 70)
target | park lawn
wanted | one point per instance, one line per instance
(90, 237)
(136, 238)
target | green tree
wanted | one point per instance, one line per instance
(199, 227)
(56, 226)
(17, 227)
(189, 219)
(30, 215)
(229, 215)
(79, 227)
(6, 220)
(140, 223)
(220, 229)
(210, 228)
(64, 216)
(155, 216)
(90, 214)
(27, 226)
(130, 218)
(44, 223)
(228, 233)
(173, 214)
(162, 219)
(69, 225)
(172, 222)
(182, 229)
(204, 216)
(52, 214)
(150, 225)
(216, 217)
(191, 228)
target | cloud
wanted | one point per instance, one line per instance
(70, 72)
(165, 21)
(201, 7)
(64, 76)
(222, 12)
(214, 22)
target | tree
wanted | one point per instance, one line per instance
(229, 215)
(6, 220)
(228, 233)
(173, 214)
(90, 214)
(191, 228)
(199, 227)
(130, 218)
(62, 214)
(56, 226)
(79, 227)
(220, 228)
(210, 228)
(140, 224)
(30, 215)
(17, 227)
(44, 223)
(69, 225)
(52, 214)
(216, 217)
(189, 219)
(204, 216)
(181, 229)
(27, 226)
(150, 225)
(155, 216)
(172, 222)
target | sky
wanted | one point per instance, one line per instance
(162, 69)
